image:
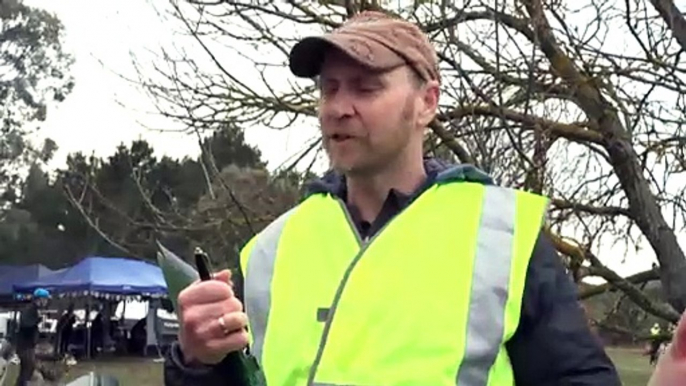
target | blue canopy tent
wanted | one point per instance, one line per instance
(100, 277)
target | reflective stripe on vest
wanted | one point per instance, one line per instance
(498, 228)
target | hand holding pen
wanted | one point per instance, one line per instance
(213, 323)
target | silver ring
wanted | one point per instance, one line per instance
(222, 324)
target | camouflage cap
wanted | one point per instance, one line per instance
(373, 39)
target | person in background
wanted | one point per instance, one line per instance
(65, 327)
(97, 334)
(655, 342)
(27, 336)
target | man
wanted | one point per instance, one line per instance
(395, 269)
(27, 336)
(655, 343)
(65, 327)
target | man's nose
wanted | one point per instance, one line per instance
(339, 105)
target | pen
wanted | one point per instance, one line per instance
(202, 263)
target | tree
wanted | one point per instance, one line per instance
(133, 199)
(583, 102)
(247, 200)
(33, 73)
(119, 197)
(42, 227)
(674, 19)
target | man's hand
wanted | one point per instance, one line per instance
(671, 367)
(212, 320)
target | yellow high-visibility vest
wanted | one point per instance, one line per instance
(655, 330)
(431, 299)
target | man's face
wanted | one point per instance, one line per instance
(368, 119)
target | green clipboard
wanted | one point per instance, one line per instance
(177, 273)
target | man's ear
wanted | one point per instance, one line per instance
(429, 103)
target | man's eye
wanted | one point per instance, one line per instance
(328, 89)
(368, 88)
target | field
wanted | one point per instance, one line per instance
(633, 367)
(129, 371)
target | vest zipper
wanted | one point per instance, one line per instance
(349, 218)
(364, 244)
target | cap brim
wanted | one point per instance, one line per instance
(307, 56)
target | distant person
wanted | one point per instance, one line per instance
(65, 329)
(97, 334)
(655, 342)
(27, 337)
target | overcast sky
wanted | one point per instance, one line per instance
(104, 109)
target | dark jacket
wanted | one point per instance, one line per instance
(552, 346)
(27, 334)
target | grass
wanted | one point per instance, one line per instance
(129, 371)
(632, 366)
